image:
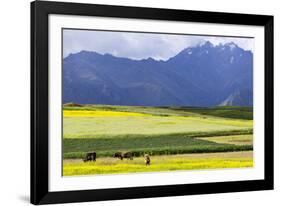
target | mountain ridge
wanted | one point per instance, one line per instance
(203, 75)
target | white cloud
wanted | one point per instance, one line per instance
(139, 45)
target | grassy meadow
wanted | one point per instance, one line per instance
(176, 138)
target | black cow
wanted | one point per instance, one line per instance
(90, 156)
(128, 155)
(121, 155)
(118, 155)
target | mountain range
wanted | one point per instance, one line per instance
(204, 75)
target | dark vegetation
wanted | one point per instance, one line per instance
(139, 145)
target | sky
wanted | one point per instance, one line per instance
(140, 45)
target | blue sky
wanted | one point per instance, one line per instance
(139, 45)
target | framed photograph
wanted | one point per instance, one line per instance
(131, 102)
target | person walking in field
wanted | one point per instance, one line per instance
(147, 159)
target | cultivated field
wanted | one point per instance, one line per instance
(167, 134)
(107, 165)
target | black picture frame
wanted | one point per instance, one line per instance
(40, 104)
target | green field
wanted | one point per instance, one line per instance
(158, 131)
(231, 139)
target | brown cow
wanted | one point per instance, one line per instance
(90, 156)
(147, 159)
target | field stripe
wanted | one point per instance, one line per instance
(160, 163)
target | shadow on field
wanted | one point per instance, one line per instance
(225, 112)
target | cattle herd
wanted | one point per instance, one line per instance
(91, 156)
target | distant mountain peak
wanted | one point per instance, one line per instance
(231, 45)
(206, 44)
(87, 53)
(149, 59)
